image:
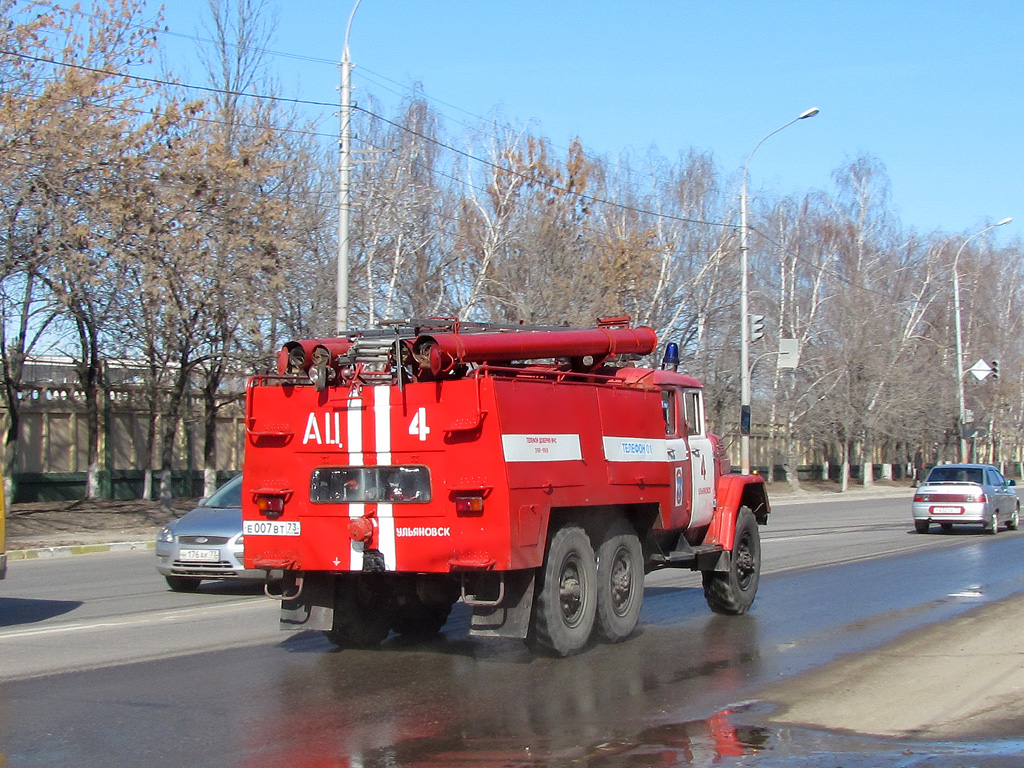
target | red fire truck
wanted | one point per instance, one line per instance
(533, 473)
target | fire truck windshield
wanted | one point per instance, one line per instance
(359, 485)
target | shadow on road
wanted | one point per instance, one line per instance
(230, 587)
(20, 610)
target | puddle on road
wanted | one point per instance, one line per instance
(726, 740)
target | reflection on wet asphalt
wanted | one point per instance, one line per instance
(666, 697)
(725, 740)
(643, 702)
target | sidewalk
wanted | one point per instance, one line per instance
(818, 492)
(960, 679)
(60, 528)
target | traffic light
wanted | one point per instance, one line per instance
(994, 364)
(756, 327)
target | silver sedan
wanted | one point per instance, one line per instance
(972, 494)
(206, 543)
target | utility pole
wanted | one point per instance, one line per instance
(745, 305)
(962, 417)
(344, 176)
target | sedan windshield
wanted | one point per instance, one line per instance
(228, 496)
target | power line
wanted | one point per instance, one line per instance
(587, 199)
(468, 155)
(168, 83)
(542, 182)
(360, 71)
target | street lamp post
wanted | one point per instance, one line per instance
(962, 421)
(344, 175)
(744, 305)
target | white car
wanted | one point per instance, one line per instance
(966, 494)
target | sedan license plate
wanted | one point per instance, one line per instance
(201, 555)
(271, 528)
(947, 510)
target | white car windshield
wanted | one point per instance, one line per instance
(956, 475)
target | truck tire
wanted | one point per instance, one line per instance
(566, 603)
(620, 582)
(420, 620)
(732, 592)
(363, 612)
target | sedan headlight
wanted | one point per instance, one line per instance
(166, 535)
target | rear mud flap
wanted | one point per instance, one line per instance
(511, 617)
(314, 608)
(720, 563)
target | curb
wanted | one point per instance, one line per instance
(853, 494)
(42, 553)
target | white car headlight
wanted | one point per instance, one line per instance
(166, 536)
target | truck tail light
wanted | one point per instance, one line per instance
(469, 505)
(270, 506)
(968, 497)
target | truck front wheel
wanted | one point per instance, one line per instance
(620, 582)
(566, 604)
(732, 592)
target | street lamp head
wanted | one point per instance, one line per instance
(1007, 220)
(809, 113)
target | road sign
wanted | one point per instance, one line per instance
(789, 354)
(980, 369)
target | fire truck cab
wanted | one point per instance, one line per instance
(532, 473)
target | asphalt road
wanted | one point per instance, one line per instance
(104, 666)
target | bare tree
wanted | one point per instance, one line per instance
(72, 122)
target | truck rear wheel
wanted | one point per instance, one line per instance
(362, 613)
(620, 582)
(732, 592)
(566, 604)
(420, 620)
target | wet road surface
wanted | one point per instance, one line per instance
(674, 694)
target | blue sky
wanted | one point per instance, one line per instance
(932, 89)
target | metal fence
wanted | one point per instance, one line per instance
(52, 457)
